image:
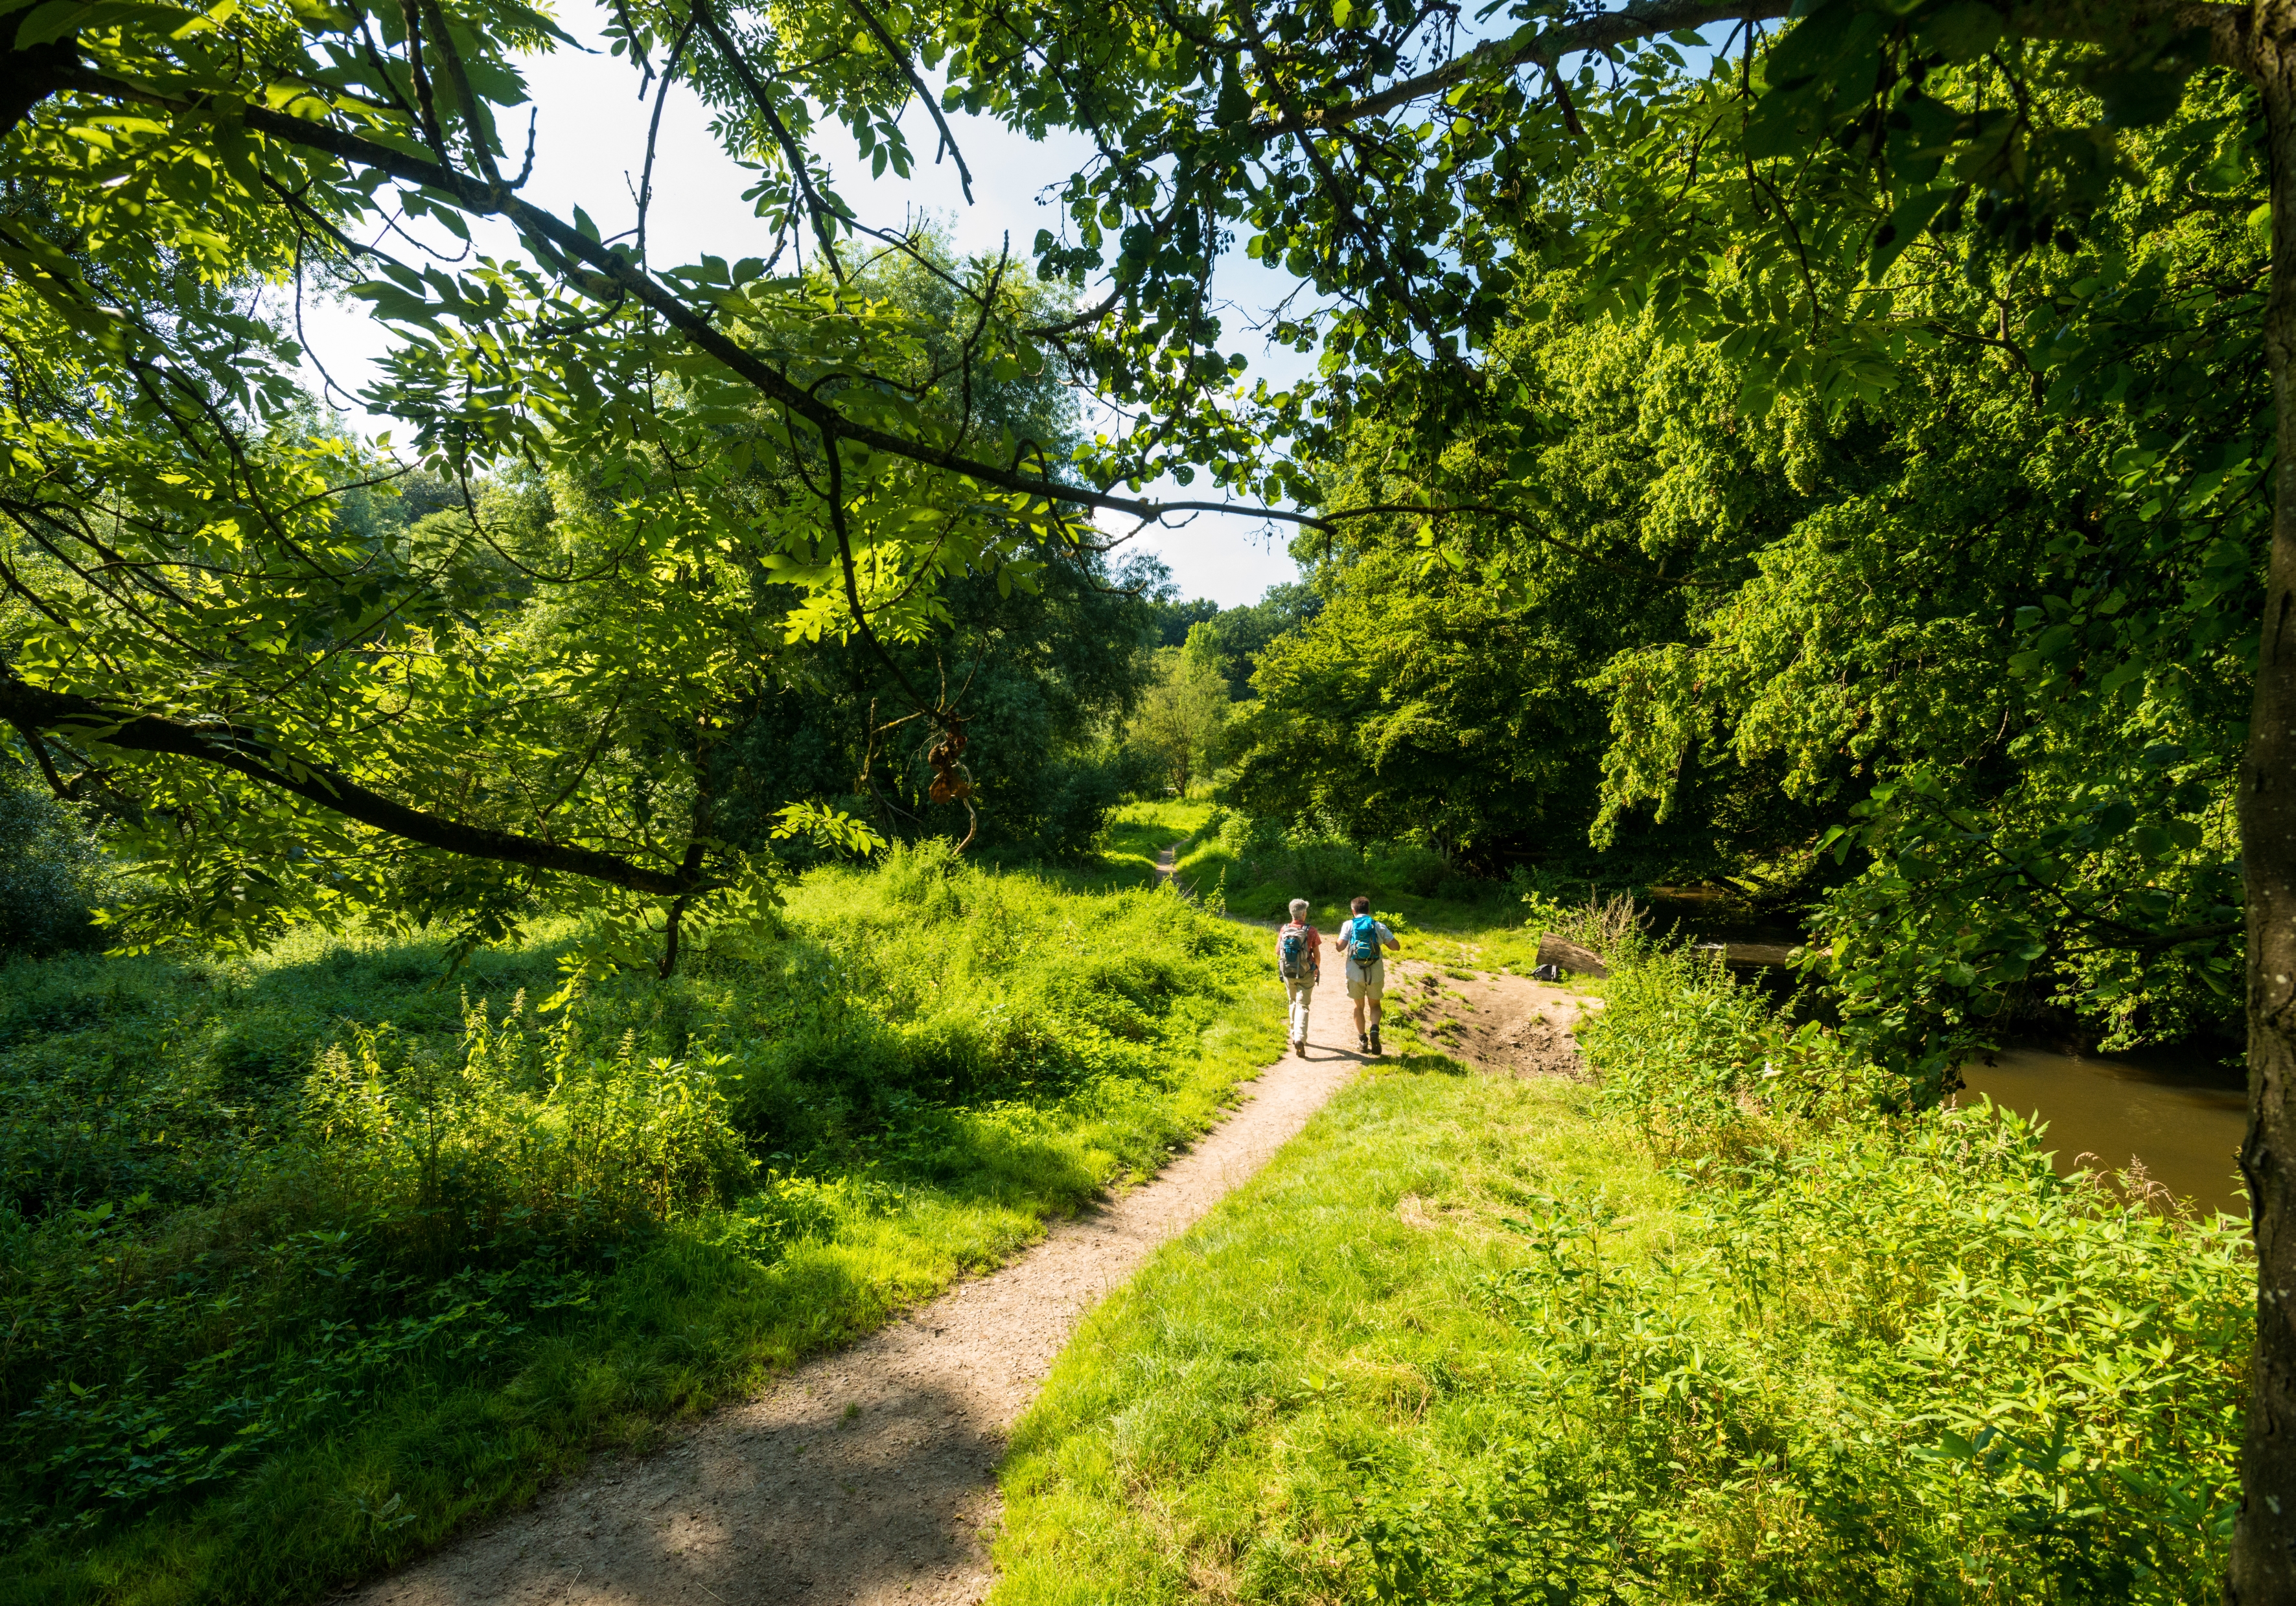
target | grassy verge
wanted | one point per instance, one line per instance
(1451, 919)
(306, 1262)
(1138, 832)
(1703, 1333)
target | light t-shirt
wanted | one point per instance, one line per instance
(1379, 929)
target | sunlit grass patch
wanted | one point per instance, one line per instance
(1215, 1418)
(1138, 832)
(1470, 1340)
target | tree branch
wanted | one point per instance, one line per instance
(480, 199)
(909, 71)
(2069, 20)
(29, 708)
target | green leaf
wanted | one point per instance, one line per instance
(1907, 221)
(58, 18)
(1828, 48)
(1961, 32)
(2138, 97)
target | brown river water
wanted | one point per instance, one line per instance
(2177, 1116)
(2175, 1113)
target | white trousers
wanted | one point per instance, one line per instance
(1299, 993)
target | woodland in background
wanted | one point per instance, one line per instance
(1989, 609)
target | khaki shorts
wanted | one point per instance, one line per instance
(1367, 981)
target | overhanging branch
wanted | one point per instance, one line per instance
(482, 199)
(2071, 21)
(88, 721)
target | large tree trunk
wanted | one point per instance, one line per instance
(2263, 1544)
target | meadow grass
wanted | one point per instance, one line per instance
(310, 1259)
(1667, 1339)
(1461, 919)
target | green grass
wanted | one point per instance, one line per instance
(1468, 1339)
(1207, 1432)
(216, 1221)
(1257, 872)
(1448, 917)
(1138, 832)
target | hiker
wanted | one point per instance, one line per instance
(1361, 939)
(1300, 961)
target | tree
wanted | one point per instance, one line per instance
(1174, 618)
(1238, 637)
(50, 871)
(297, 713)
(1184, 712)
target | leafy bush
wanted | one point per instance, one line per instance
(49, 869)
(425, 1202)
(1703, 1066)
(1267, 863)
(1877, 1371)
(1061, 815)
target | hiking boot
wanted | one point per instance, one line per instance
(1374, 1040)
(1299, 1046)
(1363, 1043)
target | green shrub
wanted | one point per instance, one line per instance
(1902, 1368)
(425, 1202)
(50, 869)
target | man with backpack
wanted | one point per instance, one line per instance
(1300, 961)
(1361, 939)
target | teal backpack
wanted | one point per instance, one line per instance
(1363, 939)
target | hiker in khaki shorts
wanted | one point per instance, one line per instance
(1361, 940)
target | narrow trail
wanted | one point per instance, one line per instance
(869, 1475)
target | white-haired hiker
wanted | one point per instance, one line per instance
(1300, 961)
(1361, 940)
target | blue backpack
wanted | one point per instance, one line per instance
(1363, 939)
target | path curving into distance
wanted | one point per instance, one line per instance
(868, 1475)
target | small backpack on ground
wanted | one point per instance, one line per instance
(1293, 961)
(1363, 940)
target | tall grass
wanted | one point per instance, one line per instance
(304, 1261)
(1715, 1330)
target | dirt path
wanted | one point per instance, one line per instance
(868, 1475)
(1167, 860)
(1502, 1024)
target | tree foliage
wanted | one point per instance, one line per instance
(1182, 717)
